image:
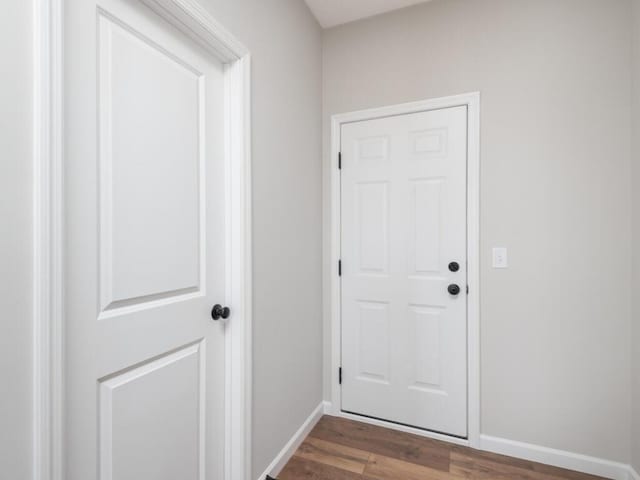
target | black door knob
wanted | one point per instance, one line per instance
(454, 266)
(453, 289)
(218, 312)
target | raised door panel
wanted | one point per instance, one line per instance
(372, 211)
(152, 419)
(372, 151)
(430, 143)
(151, 125)
(426, 226)
(426, 348)
(373, 341)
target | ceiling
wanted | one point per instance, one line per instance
(336, 12)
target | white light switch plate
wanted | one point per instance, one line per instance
(500, 259)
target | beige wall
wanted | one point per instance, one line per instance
(635, 285)
(15, 241)
(285, 44)
(555, 162)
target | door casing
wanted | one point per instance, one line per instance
(472, 102)
(49, 216)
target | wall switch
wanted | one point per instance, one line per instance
(500, 259)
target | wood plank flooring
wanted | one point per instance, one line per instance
(340, 449)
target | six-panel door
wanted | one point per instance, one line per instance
(403, 213)
(145, 252)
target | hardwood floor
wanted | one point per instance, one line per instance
(340, 449)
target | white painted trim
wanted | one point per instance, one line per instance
(292, 445)
(48, 242)
(196, 22)
(557, 458)
(473, 269)
(633, 475)
(192, 19)
(472, 101)
(238, 347)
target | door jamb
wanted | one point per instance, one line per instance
(472, 102)
(48, 231)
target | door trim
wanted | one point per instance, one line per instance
(472, 102)
(48, 231)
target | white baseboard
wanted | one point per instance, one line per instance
(292, 445)
(557, 458)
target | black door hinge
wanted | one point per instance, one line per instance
(340, 375)
(339, 268)
(467, 289)
(339, 160)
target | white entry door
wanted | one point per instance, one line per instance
(404, 269)
(145, 247)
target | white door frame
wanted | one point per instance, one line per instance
(49, 217)
(472, 102)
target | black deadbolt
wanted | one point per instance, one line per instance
(453, 289)
(219, 312)
(454, 266)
